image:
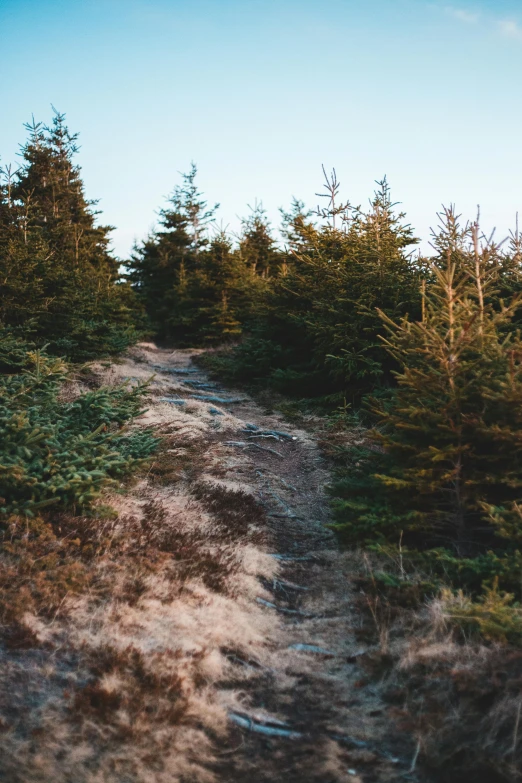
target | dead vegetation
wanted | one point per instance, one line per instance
(113, 625)
(132, 637)
(443, 684)
(159, 640)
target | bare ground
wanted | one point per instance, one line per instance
(217, 640)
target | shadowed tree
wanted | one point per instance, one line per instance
(58, 278)
(163, 268)
(446, 464)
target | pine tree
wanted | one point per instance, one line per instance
(447, 460)
(318, 325)
(59, 281)
(298, 231)
(257, 246)
(22, 264)
(375, 271)
(223, 283)
(163, 269)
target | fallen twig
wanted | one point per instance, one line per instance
(357, 743)
(281, 434)
(353, 741)
(250, 664)
(415, 757)
(257, 433)
(238, 443)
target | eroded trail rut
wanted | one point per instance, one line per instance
(303, 715)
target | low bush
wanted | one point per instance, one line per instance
(63, 453)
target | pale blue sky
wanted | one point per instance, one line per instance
(260, 93)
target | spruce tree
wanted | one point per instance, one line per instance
(24, 263)
(318, 326)
(257, 246)
(375, 270)
(163, 269)
(59, 280)
(223, 284)
(446, 465)
(297, 229)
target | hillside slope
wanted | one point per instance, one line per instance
(213, 637)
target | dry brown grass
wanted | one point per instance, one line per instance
(116, 628)
(457, 695)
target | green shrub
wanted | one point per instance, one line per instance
(495, 616)
(63, 453)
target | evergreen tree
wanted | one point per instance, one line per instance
(163, 269)
(375, 272)
(222, 290)
(257, 246)
(297, 229)
(316, 328)
(61, 454)
(58, 279)
(446, 467)
(23, 264)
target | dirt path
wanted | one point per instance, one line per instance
(309, 715)
(207, 632)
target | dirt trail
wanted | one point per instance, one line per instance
(209, 634)
(336, 726)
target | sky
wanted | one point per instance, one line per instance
(261, 93)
